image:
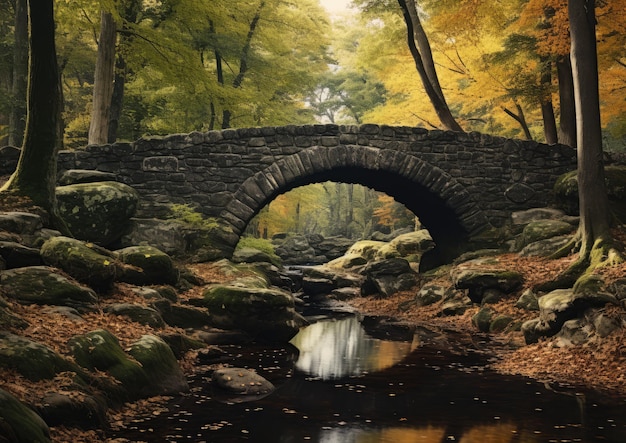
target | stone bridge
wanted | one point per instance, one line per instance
(458, 184)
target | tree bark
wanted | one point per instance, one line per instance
(35, 176)
(441, 107)
(103, 81)
(17, 118)
(593, 200)
(547, 107)
(567, 119)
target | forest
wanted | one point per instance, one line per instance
(131, 68)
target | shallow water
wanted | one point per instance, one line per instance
(339, 384)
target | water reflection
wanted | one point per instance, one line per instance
(341, 348)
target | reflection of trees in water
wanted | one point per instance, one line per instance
(336, 349)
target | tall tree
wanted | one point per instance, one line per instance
(35, 176)
(103, 80)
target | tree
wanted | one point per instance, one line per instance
(35, 176)
(103, 81)
(17, 118)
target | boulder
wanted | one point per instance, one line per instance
(86, 262)
(41, 285)
(268, 313)
(429, 294)
(137, 313)
(455, 306)
(545, 248)
(500, 323)
(184, 316)
(97, 212)
(35, 361)
(20, 222)
(542, 230)
(528, 301)
(19, 423)
(295, 249)
(68, 409)
(148, 265)
(16, 255)
(252, 255)
(76, 176)
(413, 244)
(317, 286)
(478, 276)
(482, 319)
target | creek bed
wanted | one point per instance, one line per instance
(346, 379)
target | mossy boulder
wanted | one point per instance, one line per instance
(97, 212)
(138, 313)
(268, 313)
(43, 286)
(152, 370)
(16, 255)
(148, 265)
(86, 262)
(539, 230)
(478, 277)
(33, 360)
(19, 423)
(566, 191)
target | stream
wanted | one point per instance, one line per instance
(346, 379)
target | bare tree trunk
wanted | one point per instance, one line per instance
(547, 108)
(567, 120)
(17, 118)
(103, 81)
(594, 208)
(35, 176)
(520, 118)
(438, 101)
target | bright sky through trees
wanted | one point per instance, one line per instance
(336, 6)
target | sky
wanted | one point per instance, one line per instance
(335, 6)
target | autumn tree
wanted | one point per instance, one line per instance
(35, 176)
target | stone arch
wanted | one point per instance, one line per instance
(444, 206)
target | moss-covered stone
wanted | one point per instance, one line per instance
(85, 262)
(19, 423)
(482, 319)
(148, 265)
(41, 285)
(97, 212)
(500, 323)
(541, 230)
(137, 313)
(33, 360)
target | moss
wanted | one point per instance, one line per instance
(18, 423)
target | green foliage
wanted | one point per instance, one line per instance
(187, 214)
(261, 244)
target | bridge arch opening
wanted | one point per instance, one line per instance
(443, 206)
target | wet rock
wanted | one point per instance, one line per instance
(241, 381)
(41, 285)
(86, 262)
(19, 423)
(184, 316)
(345, 293)
(316, 286)
(180, 344)
(83, 411)
(65, 311)
(97, 212)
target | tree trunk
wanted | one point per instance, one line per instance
(35, 176)
(117, 98)
(567, 120)
(441, 107)
(594, 208)
(17, 118)
(103, 81)
(520, 118)
(547, 108)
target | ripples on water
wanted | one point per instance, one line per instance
(343, 386)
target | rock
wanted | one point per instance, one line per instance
(500, 323)
(522, 218)
(545, 248)
(41, 285)
(559, 306)
(413, 243)
(387, 285)
(33, 360)
(184, 316)
(241, 382)
(82, 411)
(362, 251)
(429, 294)
(345, 293)
(20, 222)
(482, 319)
(8, 320)
(160, 365)
(476, 276)
(528, 301)
(456, 306)
(392, 266)
(605, 325)
(64, 311)
(542, 230)
(76, 176)
(148, 266)
(16, 255)
(492, 296)
(170, 236)
(264, 312)
(180, 344)
(86, 262)
(153, 369)
(252, 255)
(574, 332)
(317, 286)
(9, 156)
(137, 313)
(97, 212)
(19, 423)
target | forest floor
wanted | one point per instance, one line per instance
(599, 365)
